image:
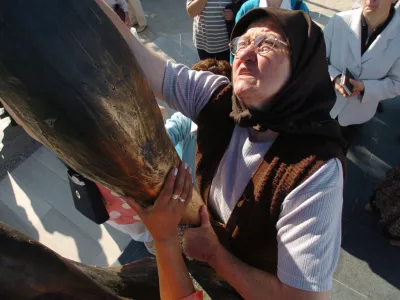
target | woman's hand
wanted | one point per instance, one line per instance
(339, 88)
(358, 87)
(163, 217)
(204, 236)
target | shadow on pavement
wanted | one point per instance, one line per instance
(41, 190)
(374, 152)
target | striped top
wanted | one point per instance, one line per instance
(209, 28)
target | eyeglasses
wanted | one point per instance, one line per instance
(263, 43)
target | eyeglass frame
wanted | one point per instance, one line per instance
(275, 39)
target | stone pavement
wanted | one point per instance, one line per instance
(34, 195)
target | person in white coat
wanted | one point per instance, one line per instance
(366, 41)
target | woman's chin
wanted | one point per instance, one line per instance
(244, 93)
(243, 90)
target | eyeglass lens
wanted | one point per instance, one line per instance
(263, 43)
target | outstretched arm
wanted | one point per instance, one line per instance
(162, 221)
(152, 64)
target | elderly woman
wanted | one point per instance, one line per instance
(269, 163)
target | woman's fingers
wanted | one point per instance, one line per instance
(190, 193)
(187, 185)
(340, 90)
(167, 190)
(132, 203)
(180, 181)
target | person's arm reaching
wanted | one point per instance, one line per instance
(178, 128)
(152, 64)
(184, 90)
(162, 220)
(195, 7)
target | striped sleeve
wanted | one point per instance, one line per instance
(309, 230)
(188, 91)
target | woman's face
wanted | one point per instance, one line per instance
(256, 79)
(376, 8)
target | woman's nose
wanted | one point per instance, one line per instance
(248, 54)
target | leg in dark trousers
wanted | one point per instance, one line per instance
(218, 56)
(225, 55)
(350, 132)
(203, 54)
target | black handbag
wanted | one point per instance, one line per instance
(87, 197)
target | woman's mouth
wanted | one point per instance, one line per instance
(245, 72)
(372, 6)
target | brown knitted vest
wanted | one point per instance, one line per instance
(250, 233)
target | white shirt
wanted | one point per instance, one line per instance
(285, 4)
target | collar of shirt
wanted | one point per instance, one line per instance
(284, 5)
(366, 40)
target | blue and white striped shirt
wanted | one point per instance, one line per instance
(209, 27)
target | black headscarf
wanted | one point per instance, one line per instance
(303, 104)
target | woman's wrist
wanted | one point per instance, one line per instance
(171, 242)
(217, 253)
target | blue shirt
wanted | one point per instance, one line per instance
(179, 130)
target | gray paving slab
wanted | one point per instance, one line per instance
(368, 264)
(15, 197)
(176, 48)
(54, 191)
(340, 291)
(46, 157)
(17, 218)
(165, 18)
(63, 236)
(15, 146)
